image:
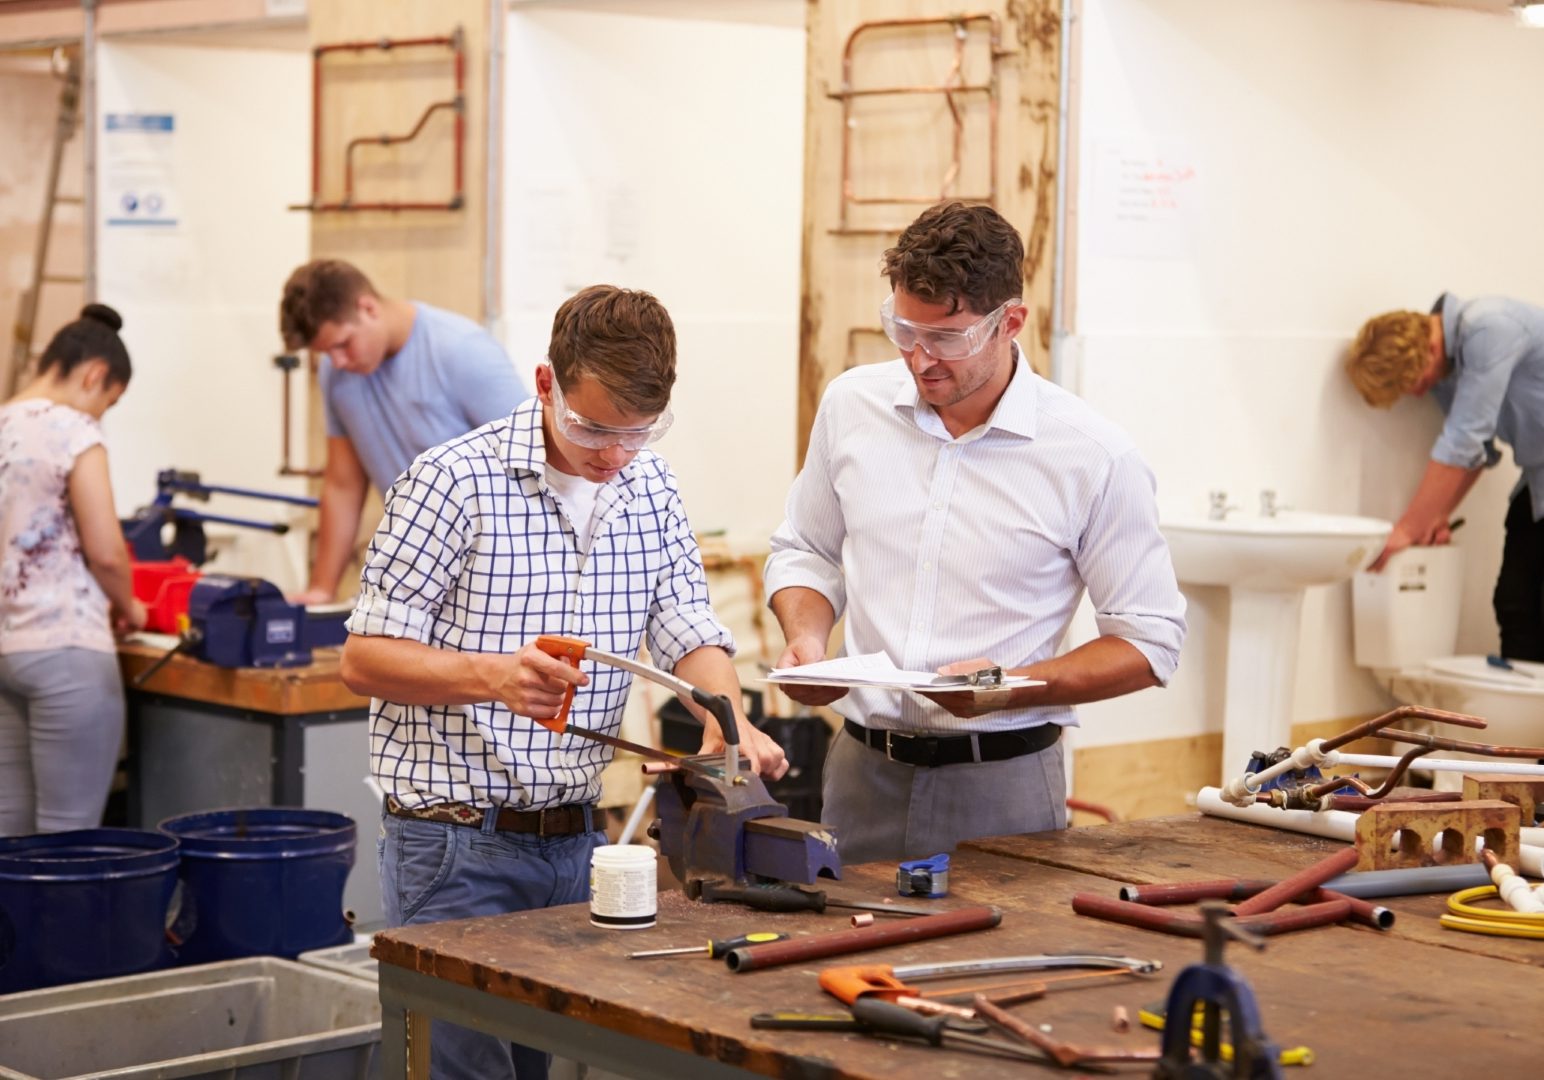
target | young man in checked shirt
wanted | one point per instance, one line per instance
(553, 520)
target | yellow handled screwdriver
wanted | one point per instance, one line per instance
(1153, 1017)
(715, 948)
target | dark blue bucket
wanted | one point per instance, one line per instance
(85, 904)
(266, 881)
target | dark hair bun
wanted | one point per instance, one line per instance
(103, 314)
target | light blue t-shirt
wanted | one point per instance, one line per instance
(449, 378)
(1494, 388)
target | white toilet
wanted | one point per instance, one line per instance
(1405, 630)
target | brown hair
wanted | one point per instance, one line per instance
(621, 338)
(1389, 355)
(321, 291)
(963, 256)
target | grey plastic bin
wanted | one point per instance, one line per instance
(353, 960)
(251, 1019)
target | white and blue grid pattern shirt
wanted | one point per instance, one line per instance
(941, 549)
(475, 554)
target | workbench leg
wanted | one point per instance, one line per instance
(417, 1046)
(394, 1047)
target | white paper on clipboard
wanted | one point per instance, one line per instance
(878, 671)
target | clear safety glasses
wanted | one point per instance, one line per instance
(582, 431)
(941, 342)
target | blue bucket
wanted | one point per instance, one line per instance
(265, 881)
(85, 904)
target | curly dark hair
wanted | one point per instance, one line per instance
(960, 255)
(321, 291)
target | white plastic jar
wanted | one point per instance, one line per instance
(623, 886)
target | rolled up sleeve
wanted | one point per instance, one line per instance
(414, 558)
(1125, 563)
(806, 549)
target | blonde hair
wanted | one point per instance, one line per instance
(1388, 356)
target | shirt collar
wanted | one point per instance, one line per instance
(1446, 308)
(1015, 412)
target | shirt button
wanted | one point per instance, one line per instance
(927, 566)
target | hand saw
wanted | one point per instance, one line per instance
(572, 650)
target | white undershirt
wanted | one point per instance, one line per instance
(577, 497)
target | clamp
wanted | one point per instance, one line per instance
(923, 877)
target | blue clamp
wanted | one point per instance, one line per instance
(923, 877)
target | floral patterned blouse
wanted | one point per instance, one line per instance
(48, 598)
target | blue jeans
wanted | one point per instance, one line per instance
(432, 871)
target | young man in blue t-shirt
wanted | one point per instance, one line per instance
(397, 378)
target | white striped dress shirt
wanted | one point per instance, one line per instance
(941, 549)
(475, 554)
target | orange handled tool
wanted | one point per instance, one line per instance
(573, 650)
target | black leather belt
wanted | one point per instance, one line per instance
(554, 821)
(927, 751)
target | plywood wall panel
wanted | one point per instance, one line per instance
(904, 145)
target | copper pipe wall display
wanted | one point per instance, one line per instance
(456, 105)
(951, 87)
(287, 363)
(843, 942)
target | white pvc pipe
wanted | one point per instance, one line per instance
(1497, 766)
(1341, 825)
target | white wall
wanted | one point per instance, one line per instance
(664, 151)
(1301, 165)
(200, 299)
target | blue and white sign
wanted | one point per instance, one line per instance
(139, 170)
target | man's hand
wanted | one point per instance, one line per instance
(968, 704)
(1406, 534)
(127, 622)
(530, 682)
(766, 757)
(801, 651)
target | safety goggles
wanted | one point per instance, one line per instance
(582, 431)
(941, 342)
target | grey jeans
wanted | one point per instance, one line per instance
(61, 723)
(885, 810)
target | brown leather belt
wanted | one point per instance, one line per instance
(554, 821)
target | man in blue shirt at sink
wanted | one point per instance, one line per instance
(1483, 362)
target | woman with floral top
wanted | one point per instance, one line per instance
(65, 587)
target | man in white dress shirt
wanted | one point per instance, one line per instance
(955, 506)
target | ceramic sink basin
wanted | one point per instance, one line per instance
(1289, 551)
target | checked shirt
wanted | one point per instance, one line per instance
(475, 554)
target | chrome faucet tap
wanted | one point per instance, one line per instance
(1219, 505)
(1268, 504)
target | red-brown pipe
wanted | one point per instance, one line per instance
(1191, 892)
(842, 942)
(1189, 924)
(1302, 881)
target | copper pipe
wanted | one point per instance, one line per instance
(287, 364)
(843, 942)
(1379, 918)
(1097, 809)
(1358, 803)
(1065, 1054)
(1292, 887)
(389, 140)
(1439, 742)
(1373, 915)
(1188, 924)
(1394, 716)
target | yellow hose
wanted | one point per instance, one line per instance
(1498, 922)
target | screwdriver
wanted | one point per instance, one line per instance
(788, 898)
(715, 947)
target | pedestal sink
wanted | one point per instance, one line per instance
(1266, 563)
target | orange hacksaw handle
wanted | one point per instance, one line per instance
(848, 984)
(570, 651)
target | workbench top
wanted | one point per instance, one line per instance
(1372, 1004)
(314, 688)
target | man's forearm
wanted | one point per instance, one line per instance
(803, 613)
(709, 668)
(339, 525)
(1442, 488)
(411, 673)
(1106, 667)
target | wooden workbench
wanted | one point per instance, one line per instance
(1408, 1002)
(314, 688)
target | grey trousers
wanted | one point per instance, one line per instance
(61, 724)
(884, 810)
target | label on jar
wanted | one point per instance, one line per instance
(623, 887)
